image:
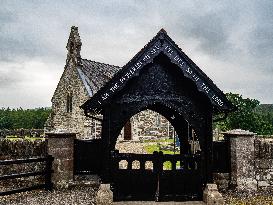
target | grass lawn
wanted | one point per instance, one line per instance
(159, 140)
(14, 138)
(157, 147)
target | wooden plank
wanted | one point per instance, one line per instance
(38, 186)
(21, 161)
(28, 174)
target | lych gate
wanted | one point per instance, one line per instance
(163, 79)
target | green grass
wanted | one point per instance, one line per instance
(159, 140)
(28, 138)
(156, 147)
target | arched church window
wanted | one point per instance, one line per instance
(69, 102)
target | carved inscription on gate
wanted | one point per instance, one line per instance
(175, 57)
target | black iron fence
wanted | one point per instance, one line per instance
(47, 185)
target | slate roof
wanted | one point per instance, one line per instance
(94, 74)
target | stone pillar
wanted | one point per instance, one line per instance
(242, 159)
(61, 147)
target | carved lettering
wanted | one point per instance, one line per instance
(169, 50)
(127, 75)
(154, 50)
(195, 77)
(105, 96)
(114, 88)
(138, 65)
(146, 57)
(217, 100)
(122, 79)
(205, 88)
(188, 70)
(177, 59)
(132, 71)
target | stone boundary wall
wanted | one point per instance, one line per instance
(264, 162)
(251, 162)
(22, 132)
(20, 149)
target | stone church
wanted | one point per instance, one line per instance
(80, 80)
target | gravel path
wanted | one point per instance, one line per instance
(159, 203)
(131, 147)
(76, 195)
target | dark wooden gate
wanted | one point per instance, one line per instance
(184, 183)
(87, 156)
(163, 79)
(221, 156)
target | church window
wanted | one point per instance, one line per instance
(69, 102)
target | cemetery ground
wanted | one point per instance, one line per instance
(84, 193)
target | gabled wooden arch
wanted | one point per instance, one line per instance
(161, 43)
(160, 77)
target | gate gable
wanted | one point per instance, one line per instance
(161, 43)
(161, 87)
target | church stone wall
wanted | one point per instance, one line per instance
(144, 124)
(150, 124)
(74, 121)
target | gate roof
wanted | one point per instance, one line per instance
(161, 43)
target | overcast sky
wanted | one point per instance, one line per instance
(231, 41)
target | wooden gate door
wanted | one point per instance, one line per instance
(183, 182)
(156, 184)
(87, 156)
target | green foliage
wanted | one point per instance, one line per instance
(20, 118)
(248, 116)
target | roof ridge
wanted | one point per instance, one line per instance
(100, 63)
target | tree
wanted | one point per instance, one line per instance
(246, 117)
(20, 118)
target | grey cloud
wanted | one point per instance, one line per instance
(210, 32)
(9, 78)
(226, 31)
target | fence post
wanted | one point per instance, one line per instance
(48, 169)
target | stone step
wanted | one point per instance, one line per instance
(158, 203)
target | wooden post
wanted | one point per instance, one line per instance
(48, 169)
(128, 131)
(209, 142)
